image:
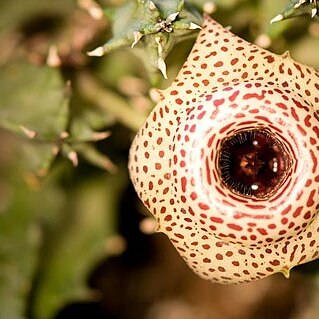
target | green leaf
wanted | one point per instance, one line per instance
(13, 13)
(20, 238)
(33, 97)
(34, 104)
(87, 120)
(77, 242)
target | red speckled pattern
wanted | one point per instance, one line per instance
(228, 85)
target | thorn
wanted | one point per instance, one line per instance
(313, 12)
(96, 13)
(194, 26)
(162, 67)
(137, 37)
(53, 58)
(301, 2)
(159, 45)
(42, 172)
(209, 7)
(263, 40)
(73, 157)
(148, 225)
(55, 150)
(172, 17)
(152, 6)
(98, 136)
(29, 133)
(94, 10)
(64, 135)
(115, 245)
(108, 165)
(99, 51)
(277, 18)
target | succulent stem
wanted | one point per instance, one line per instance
(93, 91)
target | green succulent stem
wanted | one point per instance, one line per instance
(109, 101)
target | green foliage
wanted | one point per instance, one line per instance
(299, 7)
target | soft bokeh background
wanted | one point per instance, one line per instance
(75, 241)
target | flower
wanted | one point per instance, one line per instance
(227, 162)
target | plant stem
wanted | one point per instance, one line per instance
(94, 91)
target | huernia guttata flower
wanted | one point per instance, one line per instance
(227, 162)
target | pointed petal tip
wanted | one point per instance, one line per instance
(286, 55)
(286, 272)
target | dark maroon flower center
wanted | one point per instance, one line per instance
(253, 163)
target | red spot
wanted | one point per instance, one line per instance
(201, 115)
(233, 96)
(310, 201)
(294, 114)
(269, 58)
(235, 227)
(314, 160)
(297, 212)
(179, 101)
(262, 231)
(275, 262)
(234, 61)
(286, 210)
(193, 195)
(219, 102)
(218, 64)
(256, 206)
(254, 96)
(205, 82)
(301, 130)
(307, 120)
(183, 182)
(225, 128)
(316, 130)
(217, 220)
(203, 206)
(209, 179)
(307, 215)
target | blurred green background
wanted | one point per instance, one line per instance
(74, 239)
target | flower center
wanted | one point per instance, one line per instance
(253, 163)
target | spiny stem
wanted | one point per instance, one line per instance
(92, 90)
